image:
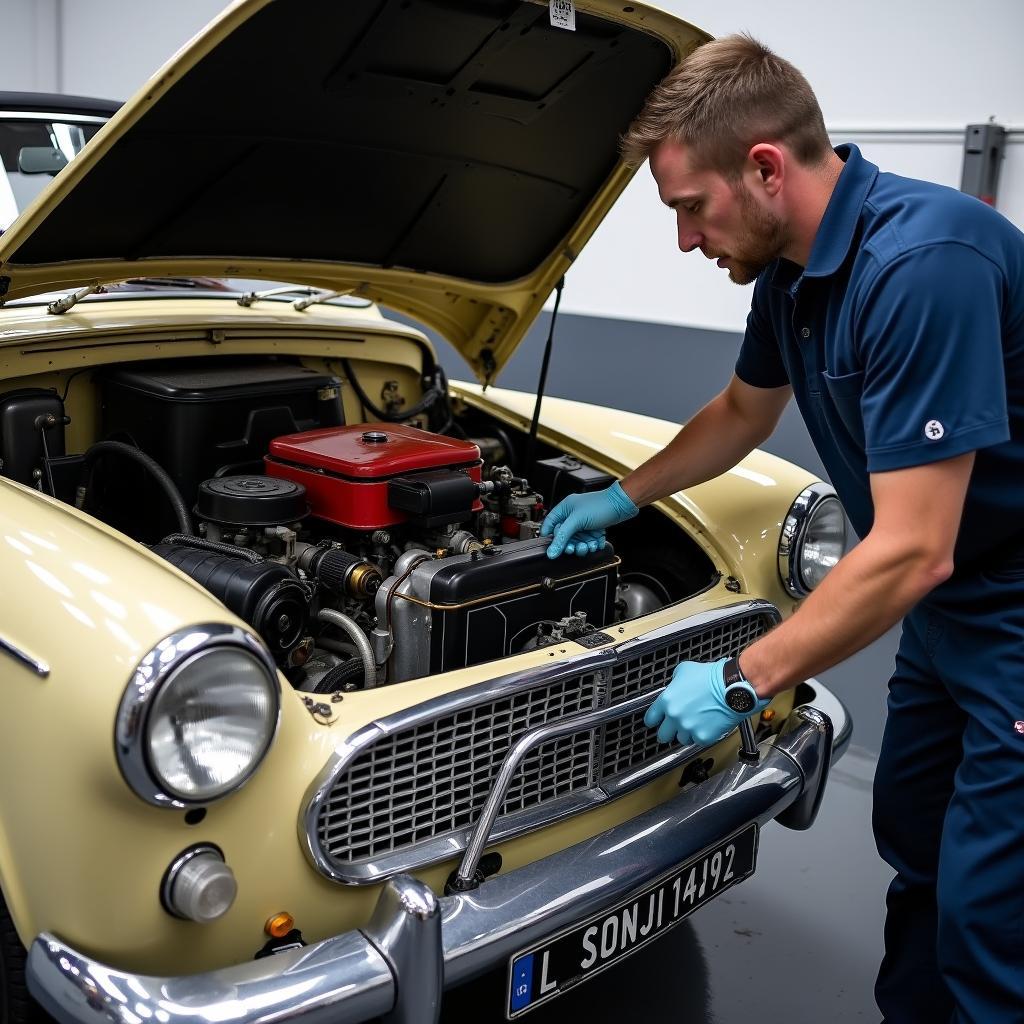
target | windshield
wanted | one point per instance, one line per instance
(32, 140)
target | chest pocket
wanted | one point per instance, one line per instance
(845, 393)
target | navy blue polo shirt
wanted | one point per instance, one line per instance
(903, 340)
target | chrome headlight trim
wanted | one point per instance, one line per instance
(794, 533)
(148, 680)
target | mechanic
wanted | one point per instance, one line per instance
(893, 310)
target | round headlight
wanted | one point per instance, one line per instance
(198, 716)
(813, 539)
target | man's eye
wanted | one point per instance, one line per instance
(692, 207)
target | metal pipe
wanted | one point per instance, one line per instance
(342, 621)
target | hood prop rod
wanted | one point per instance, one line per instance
(531, 444)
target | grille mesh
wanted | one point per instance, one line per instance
(433, 778)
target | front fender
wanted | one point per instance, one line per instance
(86, 604)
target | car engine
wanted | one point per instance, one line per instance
(362, 554)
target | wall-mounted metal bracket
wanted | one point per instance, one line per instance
(984, 145)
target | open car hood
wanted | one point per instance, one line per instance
(447, 158)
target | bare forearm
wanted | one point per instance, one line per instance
(869, 590)
(711, 443)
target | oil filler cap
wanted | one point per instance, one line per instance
(375, 437)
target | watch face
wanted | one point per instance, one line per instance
(740, 699)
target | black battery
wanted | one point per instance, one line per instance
(559, 477)
(201, 419)
(491, 606)
(197, 419)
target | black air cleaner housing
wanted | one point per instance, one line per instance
(251, 501)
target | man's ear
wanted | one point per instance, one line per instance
(769, 163)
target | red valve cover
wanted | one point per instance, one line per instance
(345, 470)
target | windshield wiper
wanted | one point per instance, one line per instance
(63, 304)
(300, 304)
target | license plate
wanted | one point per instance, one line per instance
(538, 974)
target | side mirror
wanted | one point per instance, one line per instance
(40, 160)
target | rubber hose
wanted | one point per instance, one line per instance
(155, 470)
(348, 650)
(338, 676)
(429, 398)
(342, 621)
(214, 545)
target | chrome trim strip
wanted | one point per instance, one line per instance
(694, 623)
(41, 668)
(791, 539)
(41, 115)
(310, 984)
(151, 673)
(346, 980)
(450, 845)
(444, 847)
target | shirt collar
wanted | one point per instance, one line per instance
(842, 215)
(838, 226)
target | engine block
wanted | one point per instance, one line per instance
(466, 609)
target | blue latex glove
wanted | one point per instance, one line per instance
(692, 707)
(578, 522)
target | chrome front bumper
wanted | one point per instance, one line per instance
(417, 944)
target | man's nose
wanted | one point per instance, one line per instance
(689, 240)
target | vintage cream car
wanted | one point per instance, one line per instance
(300, 720)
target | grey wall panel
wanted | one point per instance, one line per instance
(659, 370)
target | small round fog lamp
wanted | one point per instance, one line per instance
(199, 886)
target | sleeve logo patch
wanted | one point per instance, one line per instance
(933, 430)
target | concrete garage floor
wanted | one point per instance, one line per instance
(800, 941)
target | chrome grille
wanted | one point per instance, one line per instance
(428, 780)
(628, 742)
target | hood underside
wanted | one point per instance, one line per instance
(445, 157)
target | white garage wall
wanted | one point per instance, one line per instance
(883, 70)
(28, 45)
(104, 48)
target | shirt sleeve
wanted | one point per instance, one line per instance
(760, 362)
(929, 334)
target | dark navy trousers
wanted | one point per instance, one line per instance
(949, 807)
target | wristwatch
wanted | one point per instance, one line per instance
(739, 694)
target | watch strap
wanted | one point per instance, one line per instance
(732, 673)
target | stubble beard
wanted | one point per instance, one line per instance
(763, 240)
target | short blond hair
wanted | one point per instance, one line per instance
(725, 97)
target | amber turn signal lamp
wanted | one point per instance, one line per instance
(278, 926)
(767, 715)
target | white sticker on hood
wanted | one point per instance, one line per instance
(563, 14)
